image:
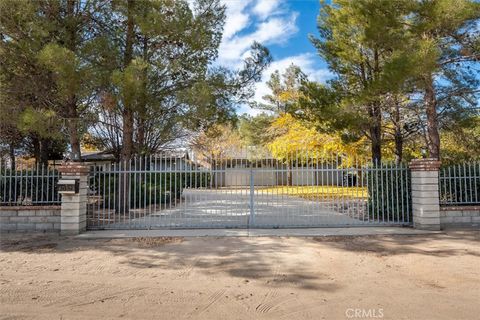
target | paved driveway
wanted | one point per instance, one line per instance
(229, 208)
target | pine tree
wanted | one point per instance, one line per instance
(444, 53)
(162, 80)
(285, 90)
(358, 39)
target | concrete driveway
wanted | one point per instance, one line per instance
(230, 208)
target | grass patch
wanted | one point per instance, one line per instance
(319, 192)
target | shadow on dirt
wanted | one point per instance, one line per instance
(408, 244)
(245, 258)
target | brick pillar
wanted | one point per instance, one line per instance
(74, 206)
(425, 195)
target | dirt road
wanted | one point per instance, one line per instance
(394, 277)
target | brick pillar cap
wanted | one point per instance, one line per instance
(428, 164)
(74, 167)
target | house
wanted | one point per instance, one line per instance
(100, 160)
(173, 160)
(236, 169)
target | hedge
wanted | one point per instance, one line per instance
(151, 188)
(389, 193)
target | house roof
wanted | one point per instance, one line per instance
(108, 156)
(97, 156)
(249, 153)
(178, 154)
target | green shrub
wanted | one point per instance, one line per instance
(389, 193)
(150, 188)
(460, 184)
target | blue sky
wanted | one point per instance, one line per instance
(281, 25)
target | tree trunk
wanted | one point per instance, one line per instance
(289, 175)
(73, 131)
(36, 148)
(398, 135)
(123, 205)
(433, 135)
(11, 153)
(141, 148)
(44, 151)
(398, 147)
(127, 148)
(142, 107)
(72, 100)
(376, 132)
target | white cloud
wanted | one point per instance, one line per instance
(306, 61)
(265, 8)
(276, 30)
(272, 31)
(253, 20)
(268, 22)
(236, 18)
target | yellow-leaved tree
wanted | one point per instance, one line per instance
(219, 141)
(295, 143)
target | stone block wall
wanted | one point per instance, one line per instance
(461, 216)
(30, 219)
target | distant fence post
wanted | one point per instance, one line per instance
(74, 205)
(425, 194)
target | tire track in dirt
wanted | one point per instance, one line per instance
(272, 298)
(49, 293)
(272, 301)
(300, 308)
(187, 297)
(211, 300)
(134, 292)
(187, 270)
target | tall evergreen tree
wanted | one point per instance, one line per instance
(45, 48)
(444, 54)
(383, 52)
(285, 90)
(358, 39)
(162, 78)
(27, 96)
(254, 129)
(66, 56)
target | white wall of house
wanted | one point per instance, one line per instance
(169, 164)
(326, 176)
(303, 178)
(241, 178)
(266, 176)
(236, 178)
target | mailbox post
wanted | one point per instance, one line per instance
(73, 187)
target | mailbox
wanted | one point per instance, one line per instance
(68, 186)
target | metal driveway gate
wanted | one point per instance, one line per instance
(247, 192)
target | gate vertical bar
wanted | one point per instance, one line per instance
(251, 220)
